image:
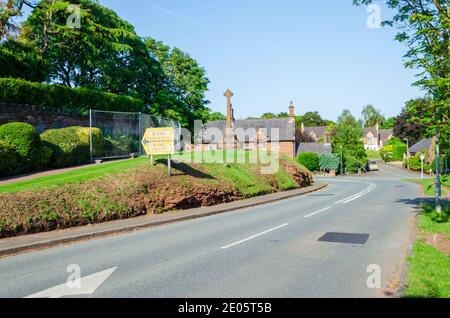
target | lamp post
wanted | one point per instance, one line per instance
(438, 192)
(422, 158)
(342, 162)
(407, 152)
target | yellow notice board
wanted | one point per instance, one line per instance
(159, 141)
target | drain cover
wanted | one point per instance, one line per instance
(320, 195)
(348, 238)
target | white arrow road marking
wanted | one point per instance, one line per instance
(317, 212)
(255, 236)
(89, 285)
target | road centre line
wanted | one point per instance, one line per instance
(254, 236)
(317, 212)
(362, 194)
(357, 195)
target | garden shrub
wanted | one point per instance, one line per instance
(310, 160)
(25, 141)
(71, 145)
(352, 164)
(329, 162)
(386, 153)
(8, 159)
(58, 97)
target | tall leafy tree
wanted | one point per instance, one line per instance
(181, 93)
(311, 119)
(404, 128)
(424, 28)
(371, 116)
(102, 52)
(347, 133)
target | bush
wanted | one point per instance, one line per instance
(57, 97)
(310, 160)
(353, 164)
(441, 164)
(329, 162)
(71, 146)
(8, 159)
(25, 141)
(386, 153)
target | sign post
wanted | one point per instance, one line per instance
(160, 141)
(422, 158)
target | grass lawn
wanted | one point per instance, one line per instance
(429, 187)
(74, 176)
(429, 268)
(373, 154)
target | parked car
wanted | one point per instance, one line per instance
(373, 166)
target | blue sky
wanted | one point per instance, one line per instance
(320, 54)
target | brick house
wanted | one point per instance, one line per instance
(249, 134)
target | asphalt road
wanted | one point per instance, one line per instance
(266, 251)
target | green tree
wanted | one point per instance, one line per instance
(371, 116)
(424, 28)
(268, 116)
(102, 52)
(347, 133)
(311, 119)
(213, 116)
(9, 10)
(389, 123)
(181, 93)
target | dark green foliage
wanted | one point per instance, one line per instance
(56, 97)
(310, 160)
(329, 162)
(354, 164)
(70, 145)
(9, 159)
(19, 60)
(25, 141)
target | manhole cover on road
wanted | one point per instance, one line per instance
(348, 238)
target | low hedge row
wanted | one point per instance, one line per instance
(71, 146)
(58, 97)
(23, 150)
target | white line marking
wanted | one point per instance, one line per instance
(254, 236)
(359, 194)
(317, 212)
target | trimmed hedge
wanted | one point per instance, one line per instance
(24, 139)
(310, 160)
(71, 146)
(9, 163)
(58, 97)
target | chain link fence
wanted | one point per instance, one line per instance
(122, 133)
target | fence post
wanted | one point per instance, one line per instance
(90, 135)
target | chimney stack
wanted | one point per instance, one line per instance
(292, 112)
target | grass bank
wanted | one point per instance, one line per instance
(429, 265)
(429, 187)
(131, 188)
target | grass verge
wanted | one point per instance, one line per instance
(429, 185)
(429, 266)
